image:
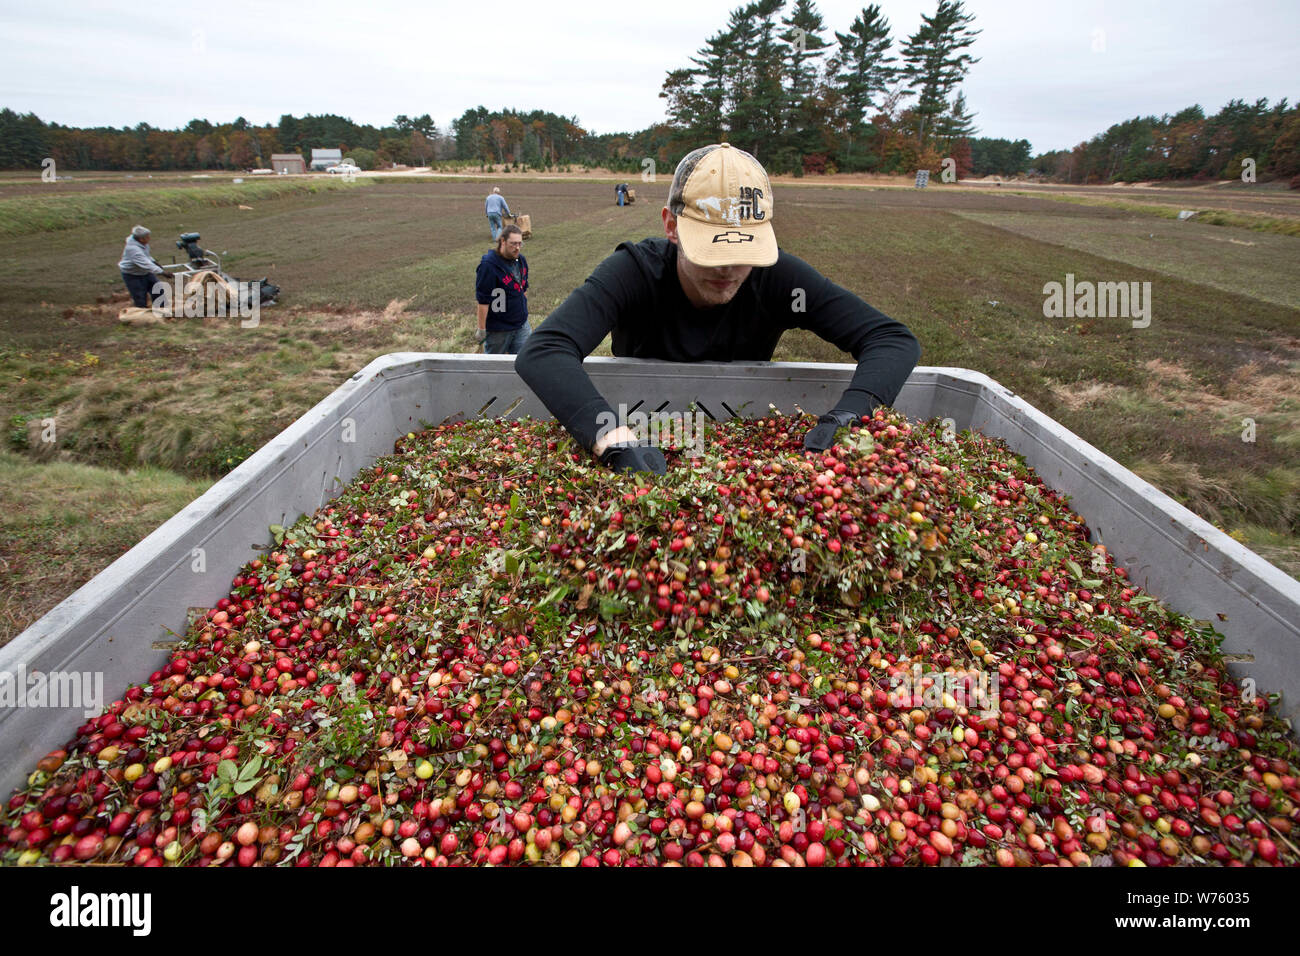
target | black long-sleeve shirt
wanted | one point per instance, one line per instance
(635, 294)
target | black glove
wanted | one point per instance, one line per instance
(822, 436)
(631, 456)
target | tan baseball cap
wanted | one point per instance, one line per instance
(722, 199)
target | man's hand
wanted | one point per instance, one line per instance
(822, 435)
(632, 456)
(622, 435)
(480, 335)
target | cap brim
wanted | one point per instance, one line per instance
(710, 244)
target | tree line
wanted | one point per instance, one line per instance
(775, 81)
(771, 82)
(25, 141)
(1186, 145)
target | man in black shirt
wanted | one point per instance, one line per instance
(716, 289)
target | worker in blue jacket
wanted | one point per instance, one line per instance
(496, 206)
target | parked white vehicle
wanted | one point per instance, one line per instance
(347, 168)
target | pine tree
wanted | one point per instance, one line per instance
(714, 65)
(739, 77)
(23, 140)
(804, 45)
(955, 123)
(934, 62)
(686, 105)
(767, 102)
(861, 69)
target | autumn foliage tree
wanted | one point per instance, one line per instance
(1186, 145)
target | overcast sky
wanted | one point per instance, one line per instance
(1054, 72)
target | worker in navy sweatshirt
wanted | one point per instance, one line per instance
(715, 289)
(501, 291)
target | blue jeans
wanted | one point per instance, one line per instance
(507, 342)
(140, 287)
(494, 223)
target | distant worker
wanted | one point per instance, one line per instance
(139, 270)
(496, 205)
(620, 194)
(501, 291)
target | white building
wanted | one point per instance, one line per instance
(325, 158)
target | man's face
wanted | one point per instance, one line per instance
(143, 240)
(510, 246)
(705, 286)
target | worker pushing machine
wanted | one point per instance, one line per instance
(139, 270)
(496, 207)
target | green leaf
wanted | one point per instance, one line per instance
(861, 441)
(1074, 568)
(227, 772)
(512, 563)
(243, 786)
(609, 608)
(554, 594)
(277, 531)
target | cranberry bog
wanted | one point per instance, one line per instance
(774, 660)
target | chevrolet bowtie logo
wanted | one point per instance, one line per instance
(733, 236)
